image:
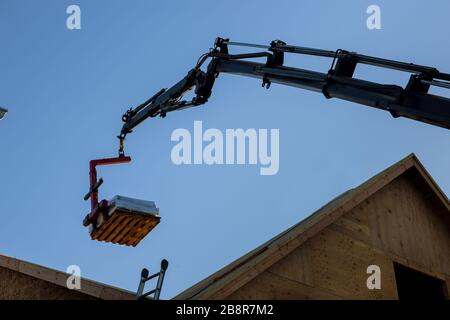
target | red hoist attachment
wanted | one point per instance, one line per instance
(121, 220)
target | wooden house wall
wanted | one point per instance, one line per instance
(18, 286)
(401, 222)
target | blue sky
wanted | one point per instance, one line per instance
(66, 91)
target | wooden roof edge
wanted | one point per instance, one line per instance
(88, 287)
(211, 286)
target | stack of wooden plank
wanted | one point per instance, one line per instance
(126, 222)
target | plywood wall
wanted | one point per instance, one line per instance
(398, 223)
(405, 222)
(18, 286)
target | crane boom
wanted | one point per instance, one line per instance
(126, 221)
(413, 101)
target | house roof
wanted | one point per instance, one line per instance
(235, 275)
(88, 287)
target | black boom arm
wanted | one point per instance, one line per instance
(412, 102)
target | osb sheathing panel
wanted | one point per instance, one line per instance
(335, 268)
(272, 286)
(17, 286)
(339, 265)
(405, 223)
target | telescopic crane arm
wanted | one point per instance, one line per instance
(413, 101)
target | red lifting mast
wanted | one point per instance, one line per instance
(97, 207)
